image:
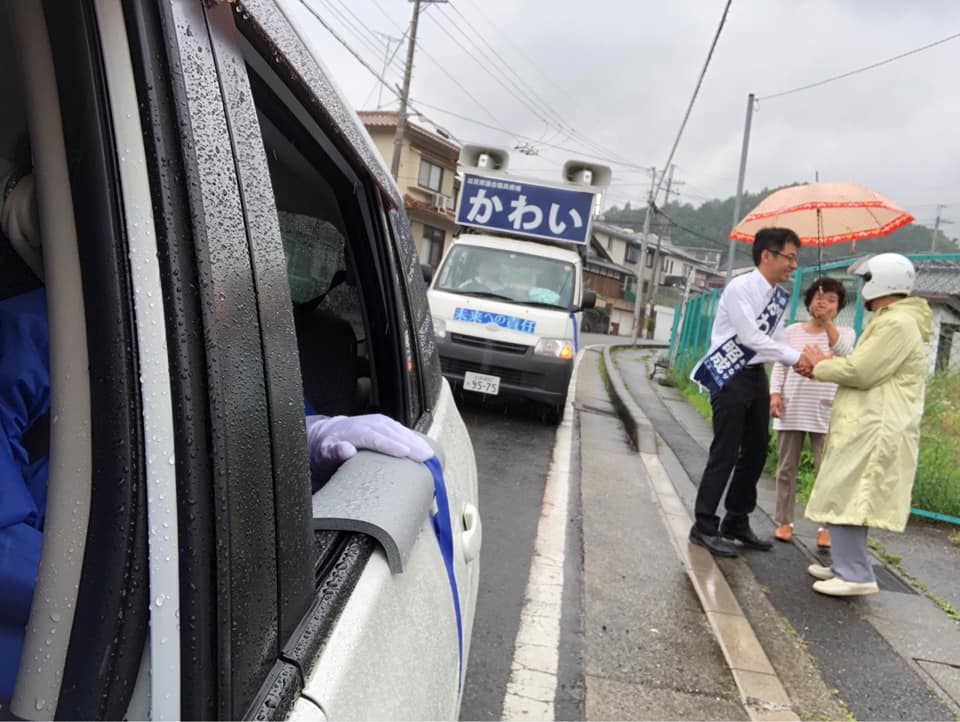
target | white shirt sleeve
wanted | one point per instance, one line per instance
(744, 321)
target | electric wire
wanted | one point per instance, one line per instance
(861, 70)
(416, 104)
(570, 130)
(375, 44)
(696, 91)
(500, 81)
(508, 68)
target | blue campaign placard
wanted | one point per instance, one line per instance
(522, 208)
(471, 315)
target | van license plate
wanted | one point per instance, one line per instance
(483, 383)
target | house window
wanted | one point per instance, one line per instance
(431, 175)
(633, 254)
(432, 248)
(650, 255)
(609, 243)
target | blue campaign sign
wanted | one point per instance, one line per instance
(524, 209)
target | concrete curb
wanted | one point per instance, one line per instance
(761, 691)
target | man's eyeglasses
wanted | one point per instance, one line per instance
(791, 257)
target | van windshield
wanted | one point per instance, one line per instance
(506, 275)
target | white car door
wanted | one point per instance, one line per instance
(387, 630)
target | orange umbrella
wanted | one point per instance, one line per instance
(824, 213)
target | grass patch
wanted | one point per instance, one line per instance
(937, 486)
(954, 538)
(700, 400)
(602, 365)
(805, 472)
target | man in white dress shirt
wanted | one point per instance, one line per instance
(747, 332)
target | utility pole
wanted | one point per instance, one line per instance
(387, 58)
(638, 300)
(655, 271)
(751, 100)
(405, 93)
(936, 228)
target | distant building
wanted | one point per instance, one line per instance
(427, 180)
(622, 247)
(708, 257)
(608, 280)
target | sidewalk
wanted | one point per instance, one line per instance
(651, 643)
(641, 621)
(894, 655)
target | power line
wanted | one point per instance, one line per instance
(501, 81)
(521, 91)
(360, 58)
(500, 129)
(696, 90)
(863, 69)
(375, 44)
(565, 128)
(416, 104)
(520, 83)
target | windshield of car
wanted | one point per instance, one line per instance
(508, 276)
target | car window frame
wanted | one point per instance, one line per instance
(345, 555)
(230, 571)
(113, 581)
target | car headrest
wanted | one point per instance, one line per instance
(328, 359)
(20, 221)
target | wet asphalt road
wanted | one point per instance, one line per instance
(513, 448)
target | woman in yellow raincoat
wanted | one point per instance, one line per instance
(870, 460)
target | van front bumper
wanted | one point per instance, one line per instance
(522, 373)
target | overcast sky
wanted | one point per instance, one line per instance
(620, 74)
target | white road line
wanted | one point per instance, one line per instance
(532, 686)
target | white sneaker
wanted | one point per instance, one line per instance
(818, 571)
(837, 587)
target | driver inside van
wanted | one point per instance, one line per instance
(25, 414)
(486, 279)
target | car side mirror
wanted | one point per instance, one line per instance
(427, 270)
(589, 300)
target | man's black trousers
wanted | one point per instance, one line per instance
(741, 418)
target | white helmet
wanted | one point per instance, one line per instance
(885, 274)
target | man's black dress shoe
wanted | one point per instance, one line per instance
(716, 545)
(745, 536)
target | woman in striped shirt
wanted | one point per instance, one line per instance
(800, 405)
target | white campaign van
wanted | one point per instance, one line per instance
(507, 300)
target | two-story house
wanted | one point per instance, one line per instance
(427, 180)
(669, 271)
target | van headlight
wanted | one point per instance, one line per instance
(556, 347)
(439, 327)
